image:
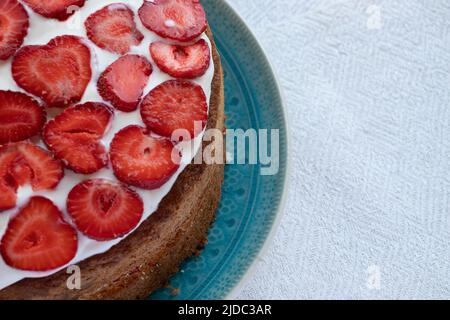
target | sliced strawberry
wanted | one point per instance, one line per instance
(74, 136)
(182, 20)
(174, 105)
(8, 197)
(104, 210)
(22, 163)
(8, 184)
(30, 164)
(123, 82)
(38, 238)
(58, 72)
(113, 28)
(142, 160)
(187, 62)
(13, 27)
(56, 9)
(21, 117)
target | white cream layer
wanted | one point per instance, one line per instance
(41, 31)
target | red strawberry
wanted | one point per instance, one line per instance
(123, 82)
(187, 62)
(142, 160)
(74, 136)
(173, 105)
(58, 72)
(56, 9)
(22, 163)
(104, 210)
(21, 117)
(13, 27)
(38, 238)
(8, 185)
(113, 28)
(182, 20)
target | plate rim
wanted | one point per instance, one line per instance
(251, 270)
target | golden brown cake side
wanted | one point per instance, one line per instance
(145, 260)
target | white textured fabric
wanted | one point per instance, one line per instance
(367, 88)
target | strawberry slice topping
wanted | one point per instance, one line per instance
(22, 163)
(56, 9)
(187, 62)
(174, 105)
(74, 136)
(182, 20)
(123, 82)
(142, 160)
(58, 72)
(113, 28)
(21, 117)
(13, 27)
(38, 238)
(104, 210)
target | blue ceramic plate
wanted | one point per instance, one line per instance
(251, 203)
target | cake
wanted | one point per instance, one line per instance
(91, 172)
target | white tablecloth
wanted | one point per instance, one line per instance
(367, 87)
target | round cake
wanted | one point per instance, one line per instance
(103, 107)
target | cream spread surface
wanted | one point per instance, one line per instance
(40, 32)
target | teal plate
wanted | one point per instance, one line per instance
(251, 203)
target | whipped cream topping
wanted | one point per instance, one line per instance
(41, 31)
